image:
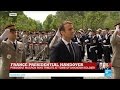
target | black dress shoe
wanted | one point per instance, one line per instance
(31, 58)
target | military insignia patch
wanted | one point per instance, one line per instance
(8, 56)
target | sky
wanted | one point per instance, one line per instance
(39, 15)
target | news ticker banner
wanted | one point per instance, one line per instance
(52, 66)
(55, 70)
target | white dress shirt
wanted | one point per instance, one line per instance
(66, 43)
(14, 42)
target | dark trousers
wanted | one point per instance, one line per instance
(111, 52)
(99, 51)
(88, 53)
(93, 54)
(106, 52)
(82, 51)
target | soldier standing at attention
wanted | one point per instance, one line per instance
(30, 41)
(106, 46)
(93, 47)
(36, 46)
(25, 42)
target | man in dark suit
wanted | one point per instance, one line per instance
(66, 50)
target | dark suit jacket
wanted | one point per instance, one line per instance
(60, 53)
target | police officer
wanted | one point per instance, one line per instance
(11, 50)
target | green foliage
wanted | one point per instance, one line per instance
(80, 19)
(84, 19)
(21, 21)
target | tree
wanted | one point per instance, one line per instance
(86, 19)
(47, 22)
(22, 22)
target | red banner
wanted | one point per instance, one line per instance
(52, 66)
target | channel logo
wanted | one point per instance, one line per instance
(108, 73)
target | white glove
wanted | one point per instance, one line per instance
(86, 40)
(104, 41)
(5, 34)
(117, 28)
(76, 42)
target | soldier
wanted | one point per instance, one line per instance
(78, 38)
(110, 33)
(11, 50)
(38, 56)
(50, 37)
(93, 47)
(18, 36)
(30, 41)
(36, 45)
(87, 41)
(25, 41)
(45, 47)
(56, 38)
(82, 40)
(106, 45)
(99, 45)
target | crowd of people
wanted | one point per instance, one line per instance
(97, 44)
(62, 45)
(94, 45)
